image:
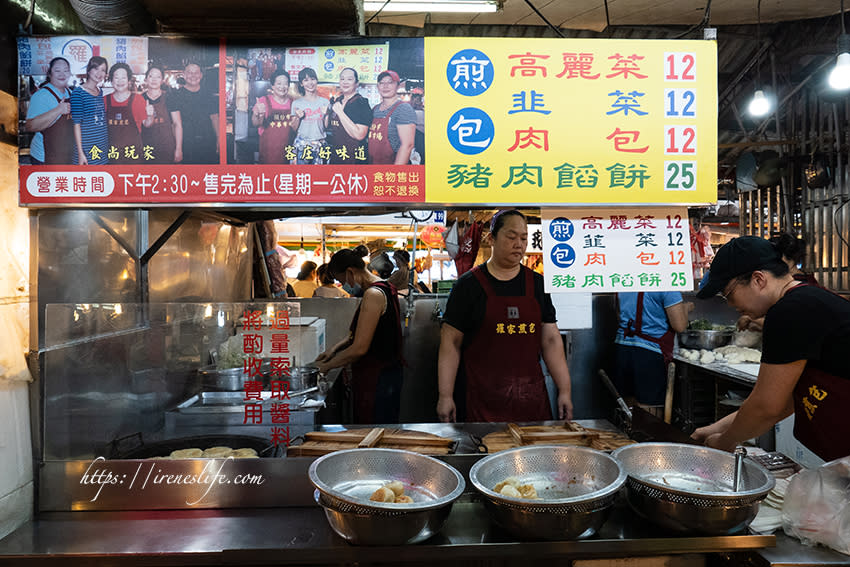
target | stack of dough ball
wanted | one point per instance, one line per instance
(512, 487)
(392, 492)
(186, 454)
(213, 453)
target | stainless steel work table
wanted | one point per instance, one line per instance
(300, 534)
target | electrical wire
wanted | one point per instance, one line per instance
(542, 17)
(758, 44)
(835, 222)
(607, 19)
(384, 5)
(706, 19)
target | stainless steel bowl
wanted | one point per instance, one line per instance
(704, 339)
(344, 480)
(221, 379)
(577, 487)
(689, 489)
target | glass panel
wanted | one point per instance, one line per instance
(138, 370)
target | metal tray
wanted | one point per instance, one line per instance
(234, 402)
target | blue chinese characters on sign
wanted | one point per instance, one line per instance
(329, 53)
(470, 131)
(563, 255)
(470, 72)
(561, 229)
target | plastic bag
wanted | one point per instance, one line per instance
(817, 506)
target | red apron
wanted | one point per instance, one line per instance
(339, 138)
(501, 362)
(635, 329)
(820, 409)
(377, 375)
(277, 133)
(123, 131)
(59, 138)
(160, 134)
(380, 150)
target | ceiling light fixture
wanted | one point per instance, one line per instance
(475, 6)
(839, 78)
(760, 104)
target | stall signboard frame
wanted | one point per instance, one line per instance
(533, 122)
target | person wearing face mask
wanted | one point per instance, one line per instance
(374, 343)
(498, 322)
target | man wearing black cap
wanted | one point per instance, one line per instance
(805, 367)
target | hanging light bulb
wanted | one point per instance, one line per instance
(839, 78)
(759, 105)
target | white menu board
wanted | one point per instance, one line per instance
(601, 250)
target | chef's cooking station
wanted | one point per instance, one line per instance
(123, 501)
(277, 521)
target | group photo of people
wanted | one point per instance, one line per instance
(154, 107)
(346, 104)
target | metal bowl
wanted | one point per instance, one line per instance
(222, 379)
(704, 339)
(689, 489)
(344, 480)
(577, 487)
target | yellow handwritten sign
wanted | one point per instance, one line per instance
(550, 121)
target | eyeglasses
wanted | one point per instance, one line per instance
(728, 295)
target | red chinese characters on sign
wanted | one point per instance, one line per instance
(626, 66)
(529, 65)
(578, 66)
(624, 138)
(538, 139)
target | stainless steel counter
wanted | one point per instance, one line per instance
(297, 532)
(302, 536)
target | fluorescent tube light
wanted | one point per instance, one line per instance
(475, 6)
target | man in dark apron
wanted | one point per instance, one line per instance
(805, 367)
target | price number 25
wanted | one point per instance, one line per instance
(680, 175)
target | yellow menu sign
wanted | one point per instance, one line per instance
(549, 121)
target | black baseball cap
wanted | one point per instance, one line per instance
(737, 257)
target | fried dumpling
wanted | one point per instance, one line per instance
(510, 481)
(509, 490)
(528, 491)
(403, 499)
(383, 494)
(396, 486)
(217, 453)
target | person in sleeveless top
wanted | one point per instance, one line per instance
(497, 324)
(49, 116)
(373, 347)
(804, 368)
(125, 112)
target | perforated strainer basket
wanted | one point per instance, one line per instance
(576, 487)
(689, 488)
(345, 480)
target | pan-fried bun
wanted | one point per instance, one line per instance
(193, 453)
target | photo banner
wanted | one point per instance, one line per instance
(543, 121)
(143, 121)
